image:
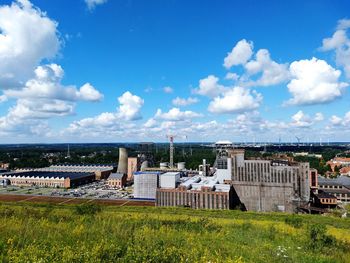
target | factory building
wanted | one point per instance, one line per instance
(197, 192)
(339, 187)
(145, 184)
(48, 178)
(263, 185)
(116, 180)
(100, 171)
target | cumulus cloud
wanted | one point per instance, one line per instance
(235, 100)
(301, 120)
(184, 101)
(313, 82)
(130, 106)
(27, 36)
(319, 116)
(335, 120)
(175, 114)
(209, 87)
(340, 43)
(232, 76)
(91, 4)
(168, 89)
(112, 123)
(47, 85)
(272, 73)
(239, 54)
(3, 98)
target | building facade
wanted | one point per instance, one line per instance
(264, 185)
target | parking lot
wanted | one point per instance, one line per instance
(98, 190)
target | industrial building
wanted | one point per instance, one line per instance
(197, 192)
(339, 187)
(116, 180)
(146, 184)
(263, 185)
(100, 171)
(48, 178)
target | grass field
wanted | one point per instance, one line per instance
(91, 233)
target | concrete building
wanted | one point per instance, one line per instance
(117, 180)
(48, 178)
(133, 166)
(146, 184)
(264, 185)
(197, 192)
(339, 187)
(169, 179)
(100, 171)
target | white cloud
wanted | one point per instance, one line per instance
(3, 98)
(130, 106)
(168, 89)
(47, 85)
(235, 100)
(232, 76)
(335, 120)
(240, 54)
(27, 36)
(209, 87)
(301, 120)
(313, 82)
(150, 123)
(175, 114)
(184, 102)
(319, 116)
(272, 73)
(91, 4)
(340, 42)
(88, 93)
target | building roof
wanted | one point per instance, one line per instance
(170, 173)
(46, 174)
(116, 176)
(340, 180)
(322, 194)
(345, 170)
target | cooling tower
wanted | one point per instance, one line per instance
(144, 165)
(123, 161)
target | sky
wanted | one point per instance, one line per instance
(137, 70)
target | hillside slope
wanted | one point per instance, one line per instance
(89, 233)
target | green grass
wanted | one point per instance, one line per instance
(67, 233)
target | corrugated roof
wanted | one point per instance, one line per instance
(42, 174)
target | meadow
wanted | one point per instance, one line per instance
(91, 233)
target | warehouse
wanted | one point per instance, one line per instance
(100, 171)
(49, 179)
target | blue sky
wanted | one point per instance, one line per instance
(109, 71)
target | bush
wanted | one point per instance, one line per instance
(88, 209)
(318, 237)
(294, 221)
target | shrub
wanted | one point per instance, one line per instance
(318, 237)
(88, 209)
(294, 221)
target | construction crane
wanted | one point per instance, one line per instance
(171, 139)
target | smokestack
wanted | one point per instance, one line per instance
(204, 167)
(123, 161)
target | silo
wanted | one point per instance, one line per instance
(123, 161)
(181, 165)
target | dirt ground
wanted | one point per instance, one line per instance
(64, 200)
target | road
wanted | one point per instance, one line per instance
(75, 200)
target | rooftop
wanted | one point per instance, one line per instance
(46, 174)
(117, 176)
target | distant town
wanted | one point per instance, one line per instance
(293, 178)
